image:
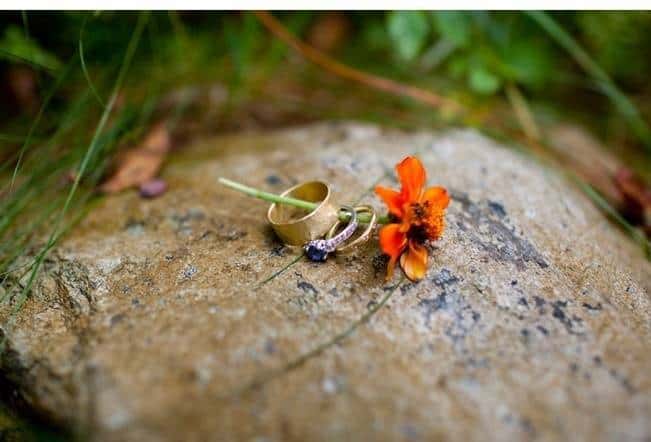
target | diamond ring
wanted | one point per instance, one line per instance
(318, 249)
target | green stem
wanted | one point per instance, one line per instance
(271, 197)
(307, 205)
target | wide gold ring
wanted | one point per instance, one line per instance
(347, 247)
(292, 225)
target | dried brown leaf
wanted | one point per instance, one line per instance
(142, 163)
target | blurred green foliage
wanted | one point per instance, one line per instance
(481, 51)
(488, 50)
(13, 428)
(620, 43)
(408, 32)
(17, 46)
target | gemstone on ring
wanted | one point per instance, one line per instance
(317, 250)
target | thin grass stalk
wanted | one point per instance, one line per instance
(57, 232)
(603, 80)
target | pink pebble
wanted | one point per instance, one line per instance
(153, 188)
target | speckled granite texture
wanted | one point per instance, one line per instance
(158, 320)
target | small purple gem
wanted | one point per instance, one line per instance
(153, 188)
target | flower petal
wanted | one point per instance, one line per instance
(392, 198)
(412, 178)
(392, 243)
(414, 261)
(438, 196)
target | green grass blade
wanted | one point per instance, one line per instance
(83, 64)
(57, 232)
(623, 104)
(37, 120)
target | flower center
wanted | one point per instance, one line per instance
(425, 221)
(420, 210)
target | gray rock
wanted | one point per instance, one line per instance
(533, 321)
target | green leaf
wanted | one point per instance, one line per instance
(527, 63)
(15, 45)
(458, 66)
(374, 34)
(408, 31)
(454, 26)
(483, 82)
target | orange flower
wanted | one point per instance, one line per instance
(420, 217)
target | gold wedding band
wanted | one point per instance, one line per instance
(361, 238)
(292, 225)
